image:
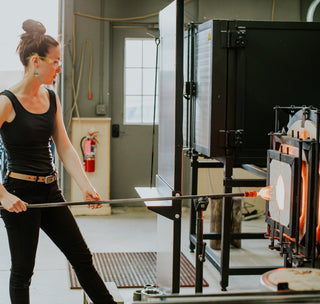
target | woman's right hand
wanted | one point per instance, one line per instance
(12, 203)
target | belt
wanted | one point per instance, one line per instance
(34, 178)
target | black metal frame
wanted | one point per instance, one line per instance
(295, 165)
(227, 162)
(222, 264)
(200, 205)
(294, 251)
(232, 105)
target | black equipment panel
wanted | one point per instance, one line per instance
(255, 65)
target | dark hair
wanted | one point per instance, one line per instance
(34, 41)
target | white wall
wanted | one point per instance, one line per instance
(284, 10)
(9, 78)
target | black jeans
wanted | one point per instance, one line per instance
(59, 224)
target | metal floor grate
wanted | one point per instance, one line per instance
(133, 269)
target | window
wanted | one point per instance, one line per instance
(139, 81)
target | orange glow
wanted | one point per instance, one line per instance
(304, 185)
(304, 198)
(291, 150)
(318, 226)
(265, 193)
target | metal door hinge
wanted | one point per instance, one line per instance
(235, 38)
(231, 138)
(190, 88)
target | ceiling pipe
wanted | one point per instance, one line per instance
(311, 10)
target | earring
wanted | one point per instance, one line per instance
(36, 74)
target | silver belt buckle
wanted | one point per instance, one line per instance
(49, 179)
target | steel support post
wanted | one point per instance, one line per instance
(200, 206)
(226, 224)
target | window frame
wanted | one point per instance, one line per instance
(142, 95)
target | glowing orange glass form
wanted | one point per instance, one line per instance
(265, 193)
(252, 193)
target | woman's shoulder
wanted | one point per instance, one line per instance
(6, 109)
(4, 99)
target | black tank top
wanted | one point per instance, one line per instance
(26, 138)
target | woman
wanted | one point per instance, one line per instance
(30, 116)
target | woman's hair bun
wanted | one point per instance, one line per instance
(34, 41)
(33, 27)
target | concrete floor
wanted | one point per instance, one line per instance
(131, 229)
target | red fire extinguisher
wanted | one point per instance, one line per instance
(89, 153)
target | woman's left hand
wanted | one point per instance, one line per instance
(91, 195)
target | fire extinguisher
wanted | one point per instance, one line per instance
(89, 152)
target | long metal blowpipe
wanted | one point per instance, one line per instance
(137, 200)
